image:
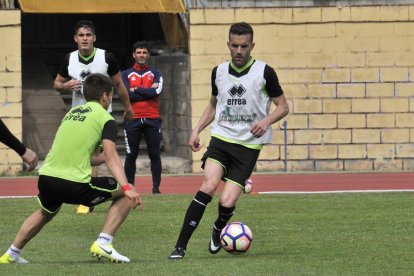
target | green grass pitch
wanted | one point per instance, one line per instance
(325, 234)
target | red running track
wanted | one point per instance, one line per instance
(282, 182)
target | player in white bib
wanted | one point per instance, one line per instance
(79, 64)
(242, 92)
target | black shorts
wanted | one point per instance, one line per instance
(53, 192)
(237, 160)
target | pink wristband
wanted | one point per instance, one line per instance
(125, 187)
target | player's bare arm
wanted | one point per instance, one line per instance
(62, 84)
(123, 95)
(282, 109)
(206, 118)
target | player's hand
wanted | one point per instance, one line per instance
(30, 158)
(74, 85)
(194, 142)
(259, 128)
(135, 198)
(128, 115)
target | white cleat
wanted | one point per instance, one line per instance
(7, 259)
(108, 252)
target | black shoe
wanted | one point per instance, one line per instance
(177, 254)
(156, 191)
(214, 245)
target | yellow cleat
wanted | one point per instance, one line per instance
(7, 259)
(82, 209)
(108, 252)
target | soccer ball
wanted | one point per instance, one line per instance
(236, 237)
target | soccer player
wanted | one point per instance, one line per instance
(79, 64)
(145, 86)
(242, 92)
(65, 176)
(28, 156)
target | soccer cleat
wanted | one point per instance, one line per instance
(248, 186)
(177, 254)
(108, 252)
(214, 245)
(156, 191)
(7, 259)
(82, 209)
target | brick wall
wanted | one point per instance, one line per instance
(347, 73)
(10, 86)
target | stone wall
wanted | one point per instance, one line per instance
(196, 4)
(175, 103)
(347, 73)
(10, 86)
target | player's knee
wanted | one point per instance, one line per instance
(228, 200)
(132, 155)
(46, 216)
(154, 156)
(209, 187)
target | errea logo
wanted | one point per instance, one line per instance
(76, 114)
(84, 74)
(237, 90)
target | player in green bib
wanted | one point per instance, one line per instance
(71, 147)
(65, 176)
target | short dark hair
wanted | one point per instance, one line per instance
(141, 45)
(241, 28)
(96, 85)
(87, 24)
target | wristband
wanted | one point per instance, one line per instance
(125, 187)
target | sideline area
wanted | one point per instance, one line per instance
(263, 183)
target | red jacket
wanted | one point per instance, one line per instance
(144, 98)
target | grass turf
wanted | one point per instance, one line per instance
(329, 234)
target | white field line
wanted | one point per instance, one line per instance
(337, 192)
(1, 197)
(293, 192)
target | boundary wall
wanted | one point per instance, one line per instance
(10, 86)
(347, 73)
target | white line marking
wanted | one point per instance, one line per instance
(1, 197)
(336, 192)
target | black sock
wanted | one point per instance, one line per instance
(224, 215)
(192, 218)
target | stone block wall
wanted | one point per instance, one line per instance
(10, 86)
(175, 103)
(347, 73)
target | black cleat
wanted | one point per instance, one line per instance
(214, 245)
(177, 254)
(156, 191)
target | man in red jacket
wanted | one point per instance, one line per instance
(144, 85)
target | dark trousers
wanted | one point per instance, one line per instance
(151, 130)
